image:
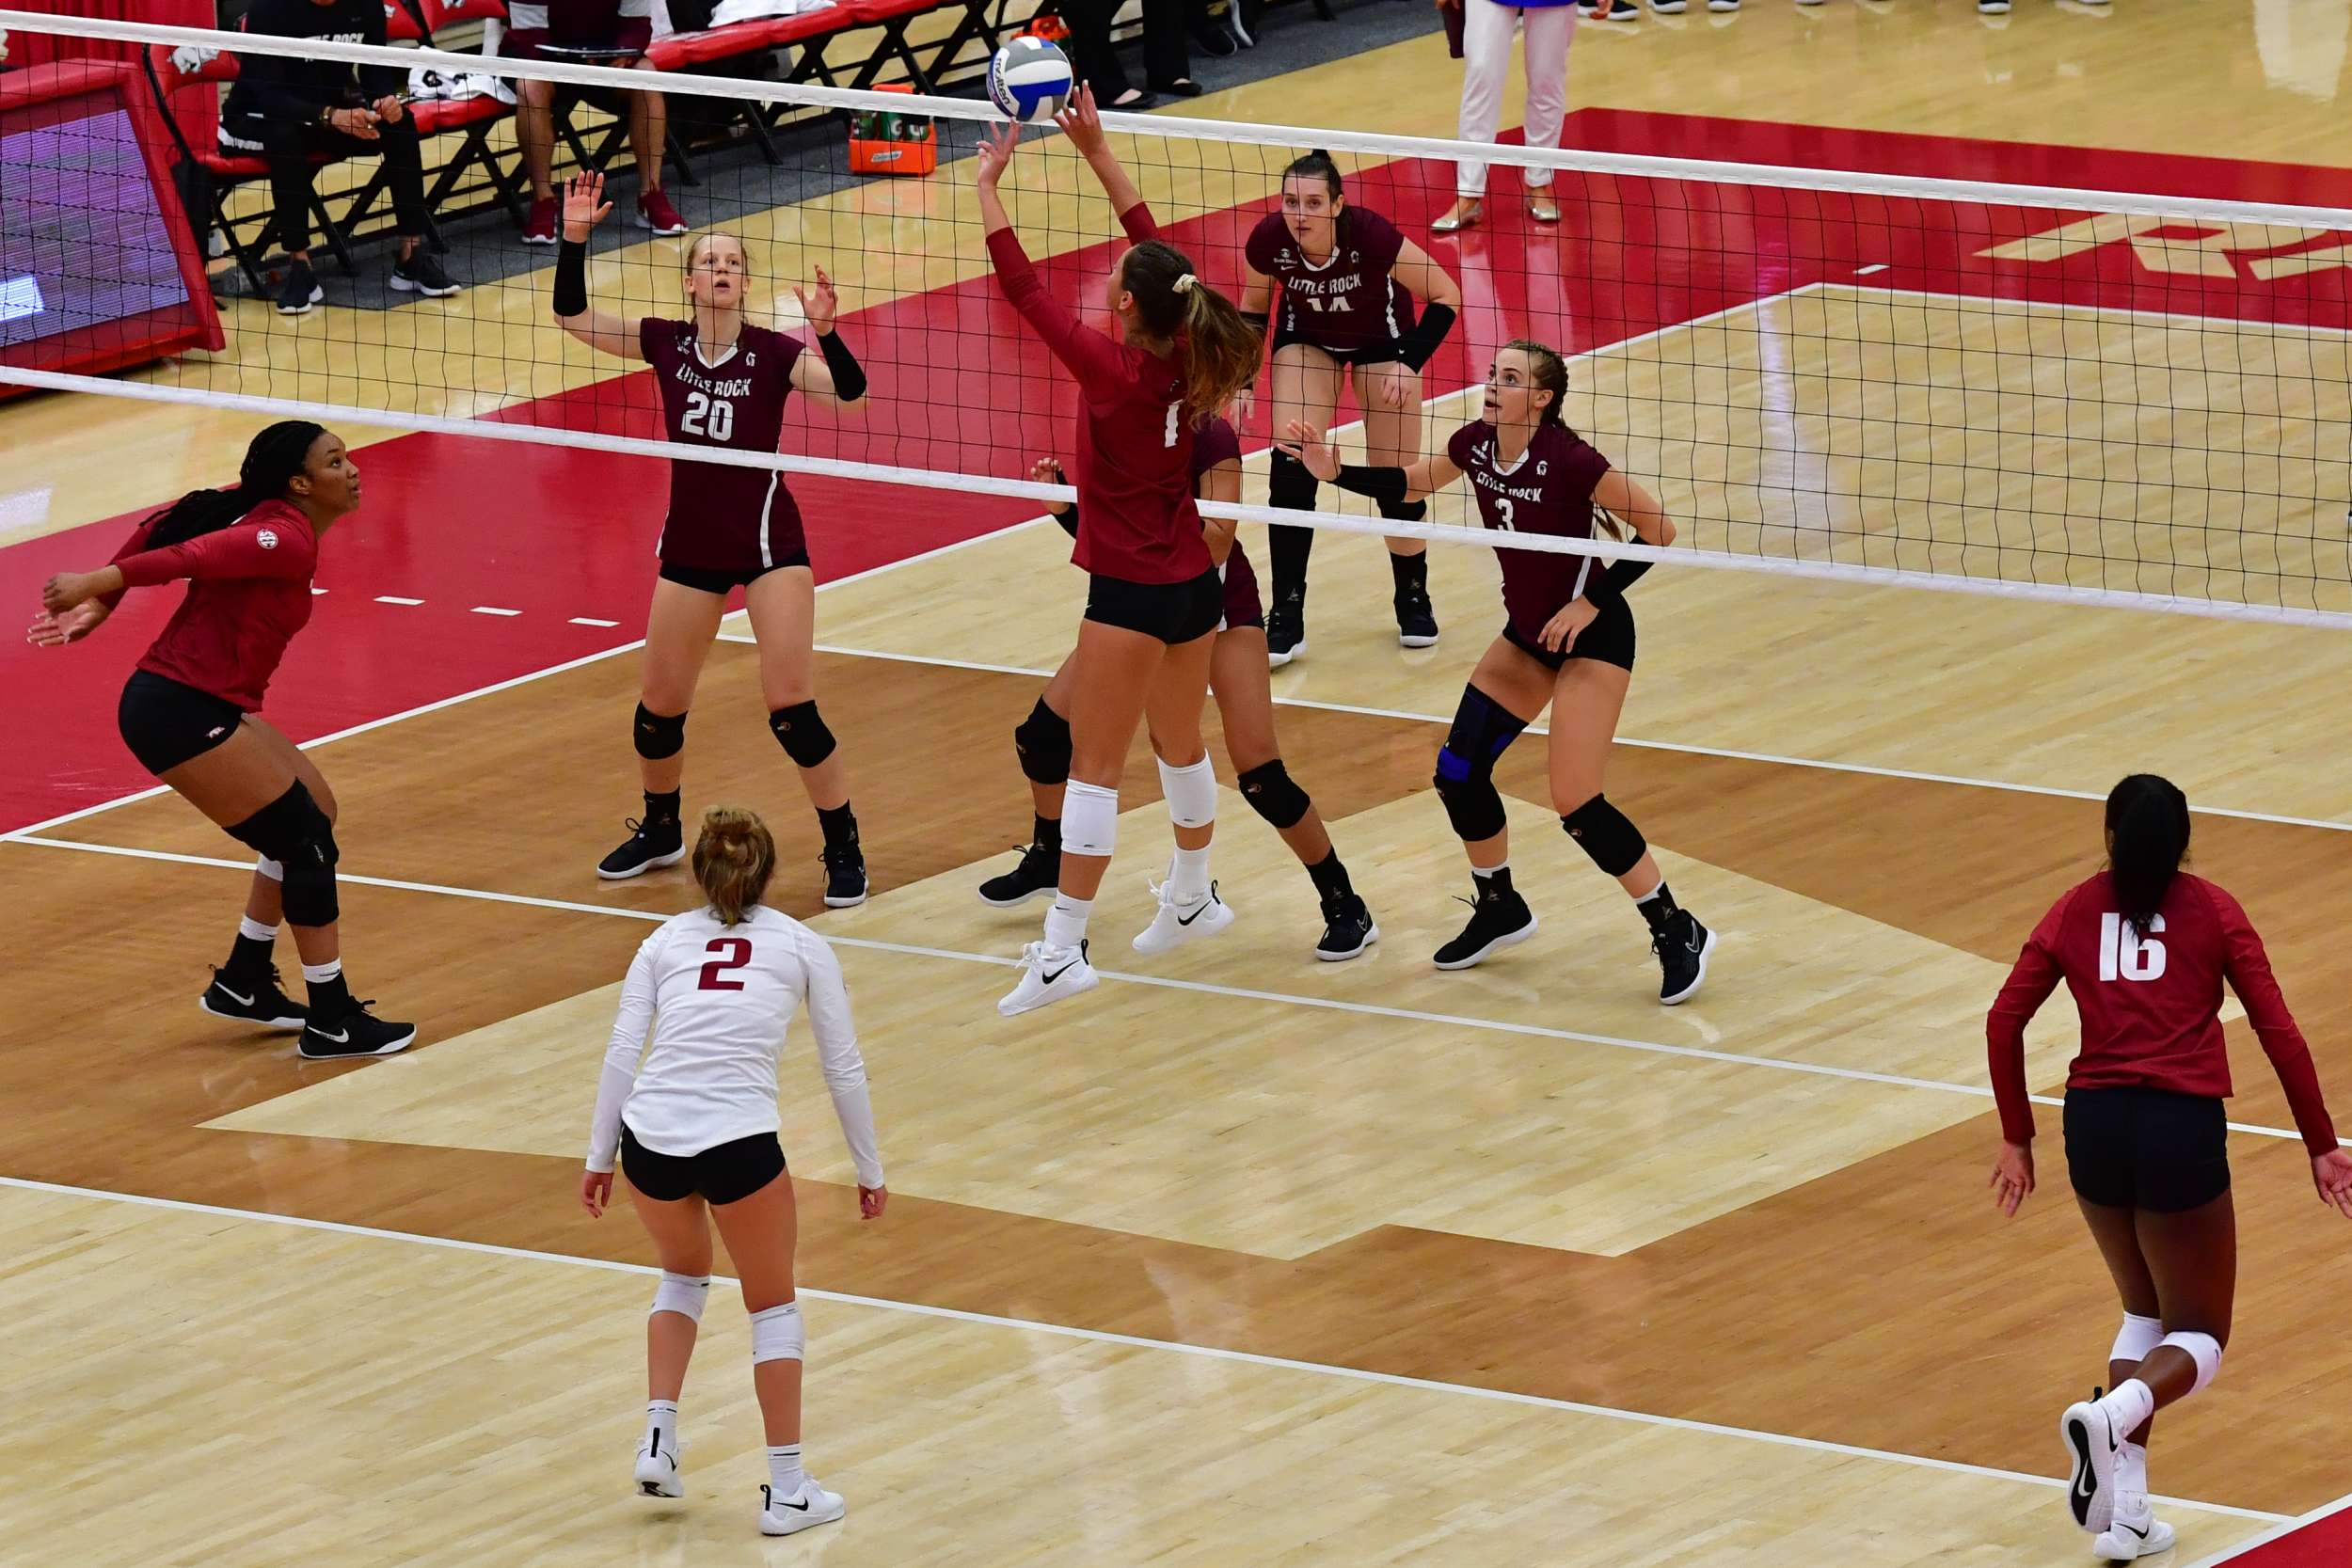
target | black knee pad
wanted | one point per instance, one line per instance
(294, 831)
(1272, 795)
(1406, 511)
(658, 735)
(1289, 483)
(800, 731)
(1482, 732)
(1607, 835)
(1043, 740)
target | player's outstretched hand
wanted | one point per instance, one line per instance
(1081, 122)
(50, 630)
(584, 205)
(1307, 444)
(2012, 1178)
(2331, 1173)
(998, 143)
(819, 307)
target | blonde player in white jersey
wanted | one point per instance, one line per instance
(695, 1126)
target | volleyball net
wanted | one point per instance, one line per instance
(2085, 396)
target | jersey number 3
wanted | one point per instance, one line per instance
(709, 416)
(739, 953)
(2125, 955)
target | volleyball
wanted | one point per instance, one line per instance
(1029, 80)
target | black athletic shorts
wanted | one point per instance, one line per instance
(1607, 640)
(1387, 351)
(723, 1173)
(2147, 1148)
(1172, 612)
(719, 583)
(167, 723)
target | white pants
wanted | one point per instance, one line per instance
(1486, 29)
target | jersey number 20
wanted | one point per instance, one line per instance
(2124, 954)
(739, 953)
(709, 417)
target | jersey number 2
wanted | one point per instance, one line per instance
(2124, 954)
(739, 950)
(710, 417)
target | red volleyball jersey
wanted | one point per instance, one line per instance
(1348, 300)
(1550, 490)
(249, 593)
(724, 519)
(2150, 1005)
(1132, 467)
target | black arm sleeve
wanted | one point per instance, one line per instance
(379, 81)
(571, 280)
(281, 88)
(1420, 343)
(1256, 320)
(848, 377)
(1381, 485)
(1068, 520)
(1609, 586)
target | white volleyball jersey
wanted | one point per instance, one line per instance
(717, 1000)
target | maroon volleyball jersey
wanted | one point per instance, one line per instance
(1213, 443)
(249, 593)
(724, 519)
(1549, 490)
(2150, 1004)
(1132, 467)
(1347, 302)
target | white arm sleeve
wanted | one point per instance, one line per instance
(837, 1055)
(630, 1028)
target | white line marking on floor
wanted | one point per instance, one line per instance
(1864, 272)
(2247, 1549)
(590, 621)
(1130, 1341)
(1204, 988)
(492, 610)
(394, 598)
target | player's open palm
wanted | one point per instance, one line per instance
(50, 630)
(1081, 124)
(1307, 444)
(584, 205)
(2331, 1173)
(820, 304)
(998, 143)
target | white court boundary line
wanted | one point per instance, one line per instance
(1203, 987)
(1573, 160)
(1129, 1341)
(2247, 1548)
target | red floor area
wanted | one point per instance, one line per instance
(960, 385)
(2324, 1542)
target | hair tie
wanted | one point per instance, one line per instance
(1184, 284)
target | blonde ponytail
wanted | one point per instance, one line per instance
(733, 856)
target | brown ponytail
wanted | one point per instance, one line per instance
(734, 857)
(1221, 350)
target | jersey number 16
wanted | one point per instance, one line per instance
(2126, 955)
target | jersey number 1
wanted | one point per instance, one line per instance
(2124, 954)
(739, 953)
(1169, 436)
(713, 418)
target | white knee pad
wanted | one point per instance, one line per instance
(682, 1293)
(777, 1333)
(1090, 819)
(2205, 1350)
(1191, 794)
(273, 870)
(2135, 1339)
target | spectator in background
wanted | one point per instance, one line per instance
(287, 109)
(599, 32)
(1167, 65)
(1486, 29)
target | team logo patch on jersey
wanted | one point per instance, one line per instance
(267, 539)
(1542, 468)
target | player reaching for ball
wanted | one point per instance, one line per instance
(1153, 600)
(1567, 640)
(1244, 704)
(1340, 284)
(724, 382)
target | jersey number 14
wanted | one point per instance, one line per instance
(711, 418)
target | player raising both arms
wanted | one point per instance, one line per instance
(724, 382)
(1245, 705)
(691, 1116)
(191, 712)
(1567, 640)
(2145, 947)
(1340, 284)
(1153, 600)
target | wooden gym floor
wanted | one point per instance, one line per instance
(1244, 1259)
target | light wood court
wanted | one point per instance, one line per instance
(1246, 1258)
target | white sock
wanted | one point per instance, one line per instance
(1188, 877)
(2131, 1481)
(1490, 870)
(253, 930)
(2131, 1403)
(783, 1471)
(318, 974)
(1066, 922)
(661, 1416)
